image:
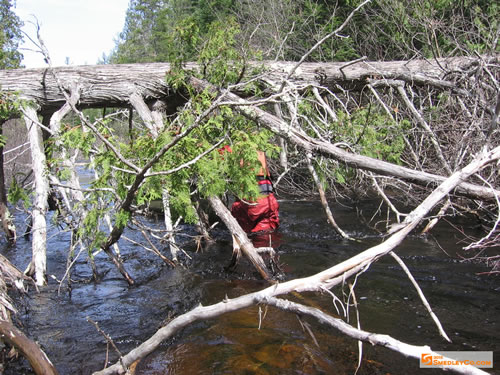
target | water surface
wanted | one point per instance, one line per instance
(467, 304)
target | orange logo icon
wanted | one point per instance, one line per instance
(426, 359)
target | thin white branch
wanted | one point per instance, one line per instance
(421, 295)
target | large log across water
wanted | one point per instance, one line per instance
(113, 85)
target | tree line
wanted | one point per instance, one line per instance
(160, 30)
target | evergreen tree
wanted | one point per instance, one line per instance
(167, 30)
(10, 36)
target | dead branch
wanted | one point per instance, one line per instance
(241, 237)
(421, 295)
(38, 359)
(386, 341)
(323, 199)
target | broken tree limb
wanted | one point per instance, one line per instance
(30, 350)
(425, 126)
(241, 237)
(440, 214)
(319, 282)
(324, 201)
(421, 295)
(153, 123)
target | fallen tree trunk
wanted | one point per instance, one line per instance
(113, 85)
(117, 85)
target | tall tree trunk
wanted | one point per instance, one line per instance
(40, 205)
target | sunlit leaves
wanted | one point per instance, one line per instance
(373, 133)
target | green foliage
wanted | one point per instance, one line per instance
(167, 30)
(122, 218)
(395, 29)
(10, 36)
(373, 133)
(176, 30)
(17, 193)
(222, 62)
(73, 137)
(10, 106)
(368, 131)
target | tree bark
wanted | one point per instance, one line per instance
(40, 205)
(112, 85)
(245, 244)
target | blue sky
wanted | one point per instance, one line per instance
(78, 30)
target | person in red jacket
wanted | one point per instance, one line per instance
(263, 214)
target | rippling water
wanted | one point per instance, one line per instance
(468, 305)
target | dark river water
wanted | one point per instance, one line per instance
(467, 304)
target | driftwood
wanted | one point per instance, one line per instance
(319, 282)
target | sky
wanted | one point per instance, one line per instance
(78, 31)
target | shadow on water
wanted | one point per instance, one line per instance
(467, 304)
